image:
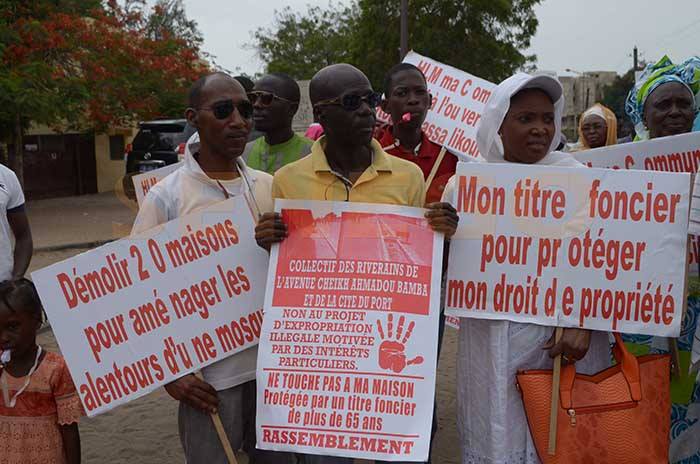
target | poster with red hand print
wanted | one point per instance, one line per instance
(348, 350)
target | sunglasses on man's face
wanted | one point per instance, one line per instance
(351, 102)
(223, 109)
(266, 98)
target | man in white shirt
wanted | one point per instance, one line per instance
(212, 172)
(13, 224)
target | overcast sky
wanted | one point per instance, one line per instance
(590, 35)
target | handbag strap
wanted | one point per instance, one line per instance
(628, 364)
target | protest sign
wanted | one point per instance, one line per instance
(140, 312)
(459, 99)
(347, 362)
(144, 181)
(452, 321)
(593, 248)
(694, 222)
(678, 153)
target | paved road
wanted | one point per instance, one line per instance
(145, 430)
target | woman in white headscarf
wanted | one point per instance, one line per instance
(520, 124)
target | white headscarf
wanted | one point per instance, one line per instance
(594, 110)
(487, 137)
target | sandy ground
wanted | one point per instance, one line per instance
(85, 219)
(145, 430)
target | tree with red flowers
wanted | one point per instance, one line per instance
(81, 64)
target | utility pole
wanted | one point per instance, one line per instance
(635, 57)
(404, 28)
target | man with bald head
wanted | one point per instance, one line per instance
(347, 164)
(275, 98)
(213, 171)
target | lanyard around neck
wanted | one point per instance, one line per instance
(397, 143)
(246, 189)
(10, 402)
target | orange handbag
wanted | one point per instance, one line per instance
(619, 415)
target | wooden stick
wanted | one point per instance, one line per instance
(554, 410)
(675, 358)
(219, 426)
(673, 342)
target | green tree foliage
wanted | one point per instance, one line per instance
(82, 64)
(614, 96)
(484, 37)
(300, 44)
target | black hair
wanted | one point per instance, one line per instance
(291, 88)
(394, 71)
(195, 94)
(246, 82)
(21, 295)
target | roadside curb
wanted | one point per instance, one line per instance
(73, 246)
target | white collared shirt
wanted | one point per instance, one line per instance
(189, 189)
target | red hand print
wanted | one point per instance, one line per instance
(391, 352)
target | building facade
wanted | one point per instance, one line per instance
(72, 163)
(581, 92)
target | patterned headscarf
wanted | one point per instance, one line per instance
(662, 72)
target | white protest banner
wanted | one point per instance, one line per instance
(452, 321)
(694, 222)
(678, 153)
(144, 181)
(140, 312)
(346, 366)
(459, 99)
(593, 248)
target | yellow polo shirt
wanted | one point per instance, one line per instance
(388, 180)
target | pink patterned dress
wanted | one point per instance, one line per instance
(29, 432)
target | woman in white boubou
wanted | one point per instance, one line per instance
(520, 124)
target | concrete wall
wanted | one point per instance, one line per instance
(110, 172)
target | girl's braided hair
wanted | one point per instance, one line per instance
(21, 295)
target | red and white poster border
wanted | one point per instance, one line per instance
(361, 403)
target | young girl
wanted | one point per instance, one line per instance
(39, 406)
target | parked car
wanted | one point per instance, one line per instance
(157, 144)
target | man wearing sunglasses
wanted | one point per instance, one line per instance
(213, 171)
(347, 164)
(275, 100)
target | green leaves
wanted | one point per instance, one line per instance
(299, 45)
(484, 37)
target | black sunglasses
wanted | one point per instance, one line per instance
(224, 109)
(351, 102)
(266, 98)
